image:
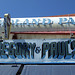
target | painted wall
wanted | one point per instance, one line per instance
(40, 36)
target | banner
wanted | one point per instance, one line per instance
(37, 51)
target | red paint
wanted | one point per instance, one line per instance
(51, 32)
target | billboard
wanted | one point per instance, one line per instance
(37, 51)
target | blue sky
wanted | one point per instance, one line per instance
(36, 8)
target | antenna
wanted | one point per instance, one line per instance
(69, 26)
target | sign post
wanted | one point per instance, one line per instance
(7, 25)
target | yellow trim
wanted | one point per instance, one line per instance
(8, 27)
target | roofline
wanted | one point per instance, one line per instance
(66, 15)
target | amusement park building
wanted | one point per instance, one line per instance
(43, 30)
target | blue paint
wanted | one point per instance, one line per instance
(19, 56)
(27, 22)
(72, 21)
(32, 56)
(43, 21)
(4, 56)
(61, 20)
(12, 56)
(12, 21)
(36, 22)
(49, 21)
(16, 21)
